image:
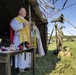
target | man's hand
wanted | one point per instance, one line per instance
(26, 23)
(30, 22)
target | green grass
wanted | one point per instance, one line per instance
(50, 65)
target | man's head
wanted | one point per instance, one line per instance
(22, 12)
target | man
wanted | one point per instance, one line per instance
(21, 34)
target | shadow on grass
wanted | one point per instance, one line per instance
(44, 65)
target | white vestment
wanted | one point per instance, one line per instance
(39, 43)
(20, 61)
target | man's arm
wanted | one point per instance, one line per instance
(16, 26)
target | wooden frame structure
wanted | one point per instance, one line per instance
(9, 9)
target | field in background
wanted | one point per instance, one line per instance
(50, 65)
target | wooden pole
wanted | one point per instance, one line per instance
(29, 13)
(30, 24)
(56, 27)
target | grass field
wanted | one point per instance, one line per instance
(50, 65)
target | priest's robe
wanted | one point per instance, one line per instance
(21, 34)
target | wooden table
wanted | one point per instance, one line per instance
(5, 59)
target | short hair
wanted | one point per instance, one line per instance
(20, 9)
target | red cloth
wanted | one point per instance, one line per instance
(11, 33)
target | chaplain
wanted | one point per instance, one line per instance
(21, 33)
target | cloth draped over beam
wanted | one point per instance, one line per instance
(39, 42)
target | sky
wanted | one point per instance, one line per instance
(69, 14)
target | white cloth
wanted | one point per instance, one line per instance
(40, 47)
(20, 62)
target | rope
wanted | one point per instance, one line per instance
(53, 8)
(43, 7)
(64, 8)
(67, 30)
(60, 14)
(64, 4)
(50, 36)
(54, 1)
(68, 6)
